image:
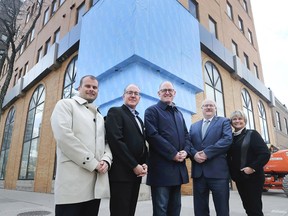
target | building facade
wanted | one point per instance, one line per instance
(206, 48)
(280, 122)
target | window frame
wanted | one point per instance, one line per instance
(47, 46)
(46, 16)
(54, 7)
(256, 70)
(80, 12)
(193, 8)
(263, 122)
(245, 5)
(213, 27)
(248, 108)
(229, 10)
(39, 54)
(286, 125)
(250, 36)
(70, 78)
(56, 36)
(240, 24)
(235, 48)
(278, 121)
(29, 155)
(6, 141)
(214, 86)
(246, 61)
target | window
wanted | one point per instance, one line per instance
(245, 5)
(25, 69)
(32, 134)
(247, 108)
(46, 16)
(4, 69)
(240, 24)
(246, 60)
(193, 8)
(212, 26)
(38, 3)
(263, 122)
(20, 73)
(80, 13)
(278, 122)
(28, 15)
(47, 46)
(15, 79)
(256, 70)
(286, 125)
(54, 7)
(234, 48)
(32, 34)
(229, 11)
(32, 8)
(213, 86)
(250, 37)
(69, 80)
(3, 37)
(21, 49)
(56, 36)
(6, 142)
(39, 54)
(61, 2)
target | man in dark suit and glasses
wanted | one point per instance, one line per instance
(211, 138)
(126, 138)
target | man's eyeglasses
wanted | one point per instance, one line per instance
(166, 90)
(130, 93)
(208, 105)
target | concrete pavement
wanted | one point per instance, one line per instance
(21, 203)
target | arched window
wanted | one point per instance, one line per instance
(213, 86)
(6, 142)
(68, 87)
(69, 81)
(263, 122)
(248, 109)
(32, 134)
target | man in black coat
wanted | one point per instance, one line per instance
(125, 136)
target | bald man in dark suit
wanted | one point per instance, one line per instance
(125, 135)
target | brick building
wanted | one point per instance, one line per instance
(206, 48)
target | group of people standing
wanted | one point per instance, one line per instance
(158, 147)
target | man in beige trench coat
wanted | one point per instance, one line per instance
(83, 157)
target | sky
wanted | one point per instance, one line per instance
(271, 24)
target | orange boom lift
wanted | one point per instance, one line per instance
(276, 172)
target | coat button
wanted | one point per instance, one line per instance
(87, 158)
(84, 163)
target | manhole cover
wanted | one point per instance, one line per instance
(34, 213)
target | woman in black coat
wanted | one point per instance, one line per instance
(246, 158)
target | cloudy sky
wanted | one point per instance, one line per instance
(270, 18)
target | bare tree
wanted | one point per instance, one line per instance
(16, 24)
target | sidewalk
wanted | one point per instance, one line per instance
(20, 203)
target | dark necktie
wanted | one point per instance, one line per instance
(137, 120)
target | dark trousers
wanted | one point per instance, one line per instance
(251, 196)
(220, 194)
(166, 200)
(123, 199)
(89, 208)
